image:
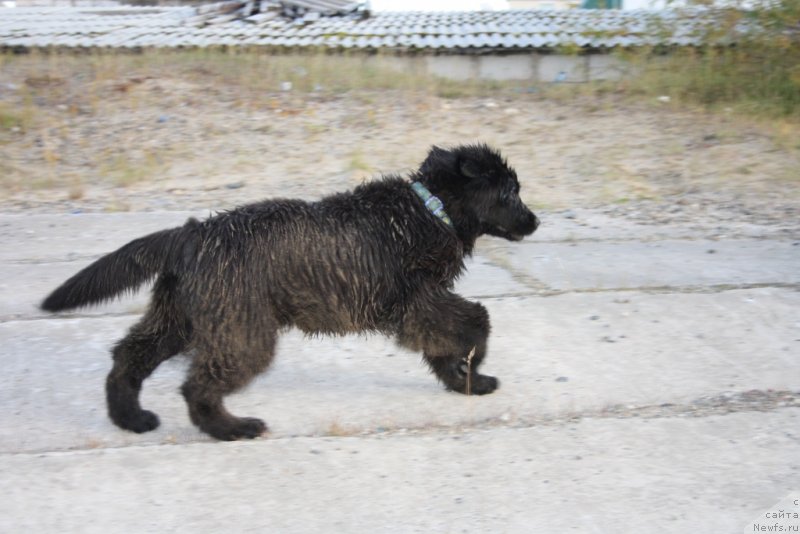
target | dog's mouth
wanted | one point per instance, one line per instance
(512, 228)
(515, 230)
(514, 237)
(499, 231)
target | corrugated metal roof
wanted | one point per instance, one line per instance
(324, 6)
(311, 10)
(435, 31)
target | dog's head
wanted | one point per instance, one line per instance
(476, 182)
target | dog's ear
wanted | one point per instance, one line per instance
(439, 160)
(437, 152)
(469, 169)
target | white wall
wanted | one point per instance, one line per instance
(534, 67)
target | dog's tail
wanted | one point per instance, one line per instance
(123, 270)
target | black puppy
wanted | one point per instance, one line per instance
(381, 258)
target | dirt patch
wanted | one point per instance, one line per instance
(173, 141)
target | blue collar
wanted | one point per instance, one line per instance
(432, 202)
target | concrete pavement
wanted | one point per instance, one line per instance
(650, 383)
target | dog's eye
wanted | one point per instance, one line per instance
(512, 191)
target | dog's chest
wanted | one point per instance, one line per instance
(440, 262)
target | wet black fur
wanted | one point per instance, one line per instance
(374, 259)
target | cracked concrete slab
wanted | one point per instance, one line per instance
(629, 265)
(711, 474)
(63, 237)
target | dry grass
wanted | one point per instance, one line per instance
(336, 429)
(164, 129)
(58, 90)
(255, 72)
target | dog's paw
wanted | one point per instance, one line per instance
(239, 428)
(251, 427)
(139, 422)
(478, 385)
(483, 384)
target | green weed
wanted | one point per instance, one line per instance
(758, 76)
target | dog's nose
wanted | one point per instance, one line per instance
(534, 222)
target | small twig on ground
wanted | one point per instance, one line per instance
(469, 370)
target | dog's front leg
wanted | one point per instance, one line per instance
(452, 334)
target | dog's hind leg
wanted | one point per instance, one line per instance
(452, 334)
(162, 333)
(222, 368)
